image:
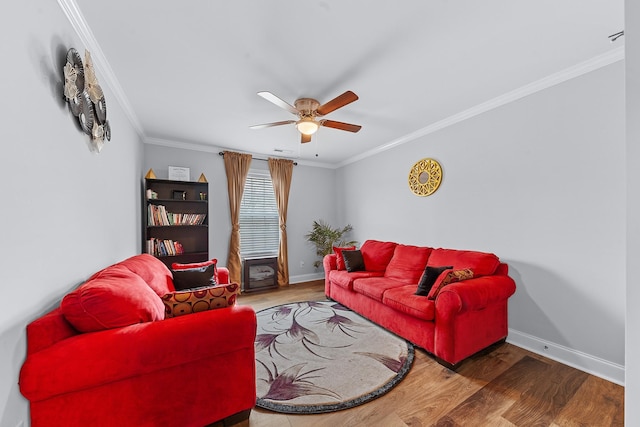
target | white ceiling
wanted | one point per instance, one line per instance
(188, 71)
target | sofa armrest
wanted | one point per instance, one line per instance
(90, 359)
(222, 277)
(328, 263)
(474, 294)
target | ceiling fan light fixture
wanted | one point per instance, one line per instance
(307, 125)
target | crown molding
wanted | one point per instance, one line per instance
(79, 24)
(577, 70)
(206, 148)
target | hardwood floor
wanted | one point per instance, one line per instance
(507, 386)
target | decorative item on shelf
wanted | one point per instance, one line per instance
(177, 173)
(150, 175)
(151, 195)
(202, 178)
(203, 196)
(86, 98)
(425, 177)
(179, 195)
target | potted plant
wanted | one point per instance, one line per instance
(325, 237)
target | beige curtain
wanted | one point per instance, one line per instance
(237, 168)
(281, 171)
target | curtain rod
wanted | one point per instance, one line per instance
(221, 153)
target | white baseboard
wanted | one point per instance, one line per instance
(306, 278)
(585, 362)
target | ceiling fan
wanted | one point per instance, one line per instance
(308, 110)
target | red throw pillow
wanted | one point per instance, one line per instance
(178, 266)
(180, 303)
(448, 277)
(338, 251)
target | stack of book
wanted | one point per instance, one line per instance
(158, 215)
(159, 247)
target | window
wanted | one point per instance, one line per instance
(259, 221)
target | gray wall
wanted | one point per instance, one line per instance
(632, 61)
(67, 211)
(545, 194)
(311, 197)
(541, 183)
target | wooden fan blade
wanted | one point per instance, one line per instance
(279, 102)
(340, 125)
(305, 138)
(268, 125)
(339, 101)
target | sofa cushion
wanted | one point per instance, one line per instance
(353, 261)
(344, 279)
(112, 298)
(377, 254)
(447, 277)
(153, 271)
(482, 263)
(428, 278)
(375, 287)
(206, 298)
(404, 300)
(339, 260)
(408, 263)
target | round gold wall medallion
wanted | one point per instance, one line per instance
(425, 177)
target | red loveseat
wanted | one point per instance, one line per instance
(108, 357)
(453, 322)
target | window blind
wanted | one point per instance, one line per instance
(259, 231)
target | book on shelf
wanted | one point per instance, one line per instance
(164, 247)
(158, 215)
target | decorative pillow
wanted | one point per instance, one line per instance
(178, 266)
(450, 277)
(201, 299)
(194, 277)
(339, 260)
(429, 278)
(353, 260)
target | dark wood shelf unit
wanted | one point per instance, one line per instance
(194, 238)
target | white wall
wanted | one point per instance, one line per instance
(66, 211)
(541, 183)
(311, 197)
(632, 61)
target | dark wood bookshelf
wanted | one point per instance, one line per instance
(183, 198)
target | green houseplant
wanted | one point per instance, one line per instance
(325, 237)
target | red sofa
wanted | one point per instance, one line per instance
(453, 323)
(108, 357)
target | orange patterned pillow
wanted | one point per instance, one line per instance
(448, 277)
(199, 299)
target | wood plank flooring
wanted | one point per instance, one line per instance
(508, 386)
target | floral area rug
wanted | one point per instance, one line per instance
(318, 356)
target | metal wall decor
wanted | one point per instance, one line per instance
(86, 98)
(425, 177)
